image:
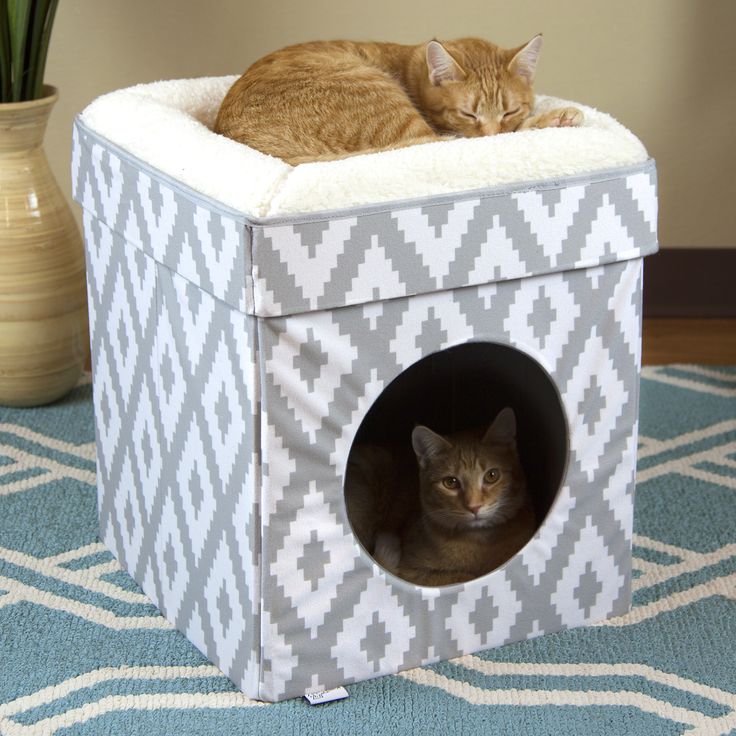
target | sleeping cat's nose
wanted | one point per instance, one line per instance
(474, 509)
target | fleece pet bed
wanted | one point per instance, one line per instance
(250, 319)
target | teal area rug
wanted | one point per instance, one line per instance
(82, 651)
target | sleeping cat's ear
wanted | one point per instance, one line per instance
(524, 62)
(503, 429)
(427, 444)
(441, 66)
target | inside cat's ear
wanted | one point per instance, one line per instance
(427, 444)
(503, 429)
(441, 66)
(524, 61)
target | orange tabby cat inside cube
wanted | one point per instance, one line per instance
(462, 513)
(331, 99)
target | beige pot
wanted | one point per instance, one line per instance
(43, 313)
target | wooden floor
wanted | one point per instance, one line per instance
(709, 341)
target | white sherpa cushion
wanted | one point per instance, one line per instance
(168, 125)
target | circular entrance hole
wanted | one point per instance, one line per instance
(457, 393)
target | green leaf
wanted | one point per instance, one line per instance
(5, 65)
(49, 12)
(25, 33)
(19, 15)
(33, 41)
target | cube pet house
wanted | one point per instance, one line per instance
(248, 317)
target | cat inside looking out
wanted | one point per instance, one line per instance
(455, 511)
(331, 99)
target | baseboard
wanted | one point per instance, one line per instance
(690, 282)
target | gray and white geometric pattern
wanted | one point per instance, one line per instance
(175, 414)
(235, 359)
(583, 521)
(285, 265)
(307, 264)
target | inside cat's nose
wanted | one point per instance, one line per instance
(474, 509)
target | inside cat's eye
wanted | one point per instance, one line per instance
(469, 115)
(492, 475)
(451, 483)
(511, 113)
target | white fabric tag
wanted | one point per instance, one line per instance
(325, 696)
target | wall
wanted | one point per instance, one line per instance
(665, 68)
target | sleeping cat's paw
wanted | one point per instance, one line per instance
(387, 551)
(562, 117)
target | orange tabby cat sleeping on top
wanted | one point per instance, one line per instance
(331, 99)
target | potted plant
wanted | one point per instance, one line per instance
(43, 316)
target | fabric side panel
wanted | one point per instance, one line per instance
(121, 286)
(310, 556)
(376, 254)
(179, 229)
(207, 514)
(331, 615)
(174, 394)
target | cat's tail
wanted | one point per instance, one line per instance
(387, 551)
